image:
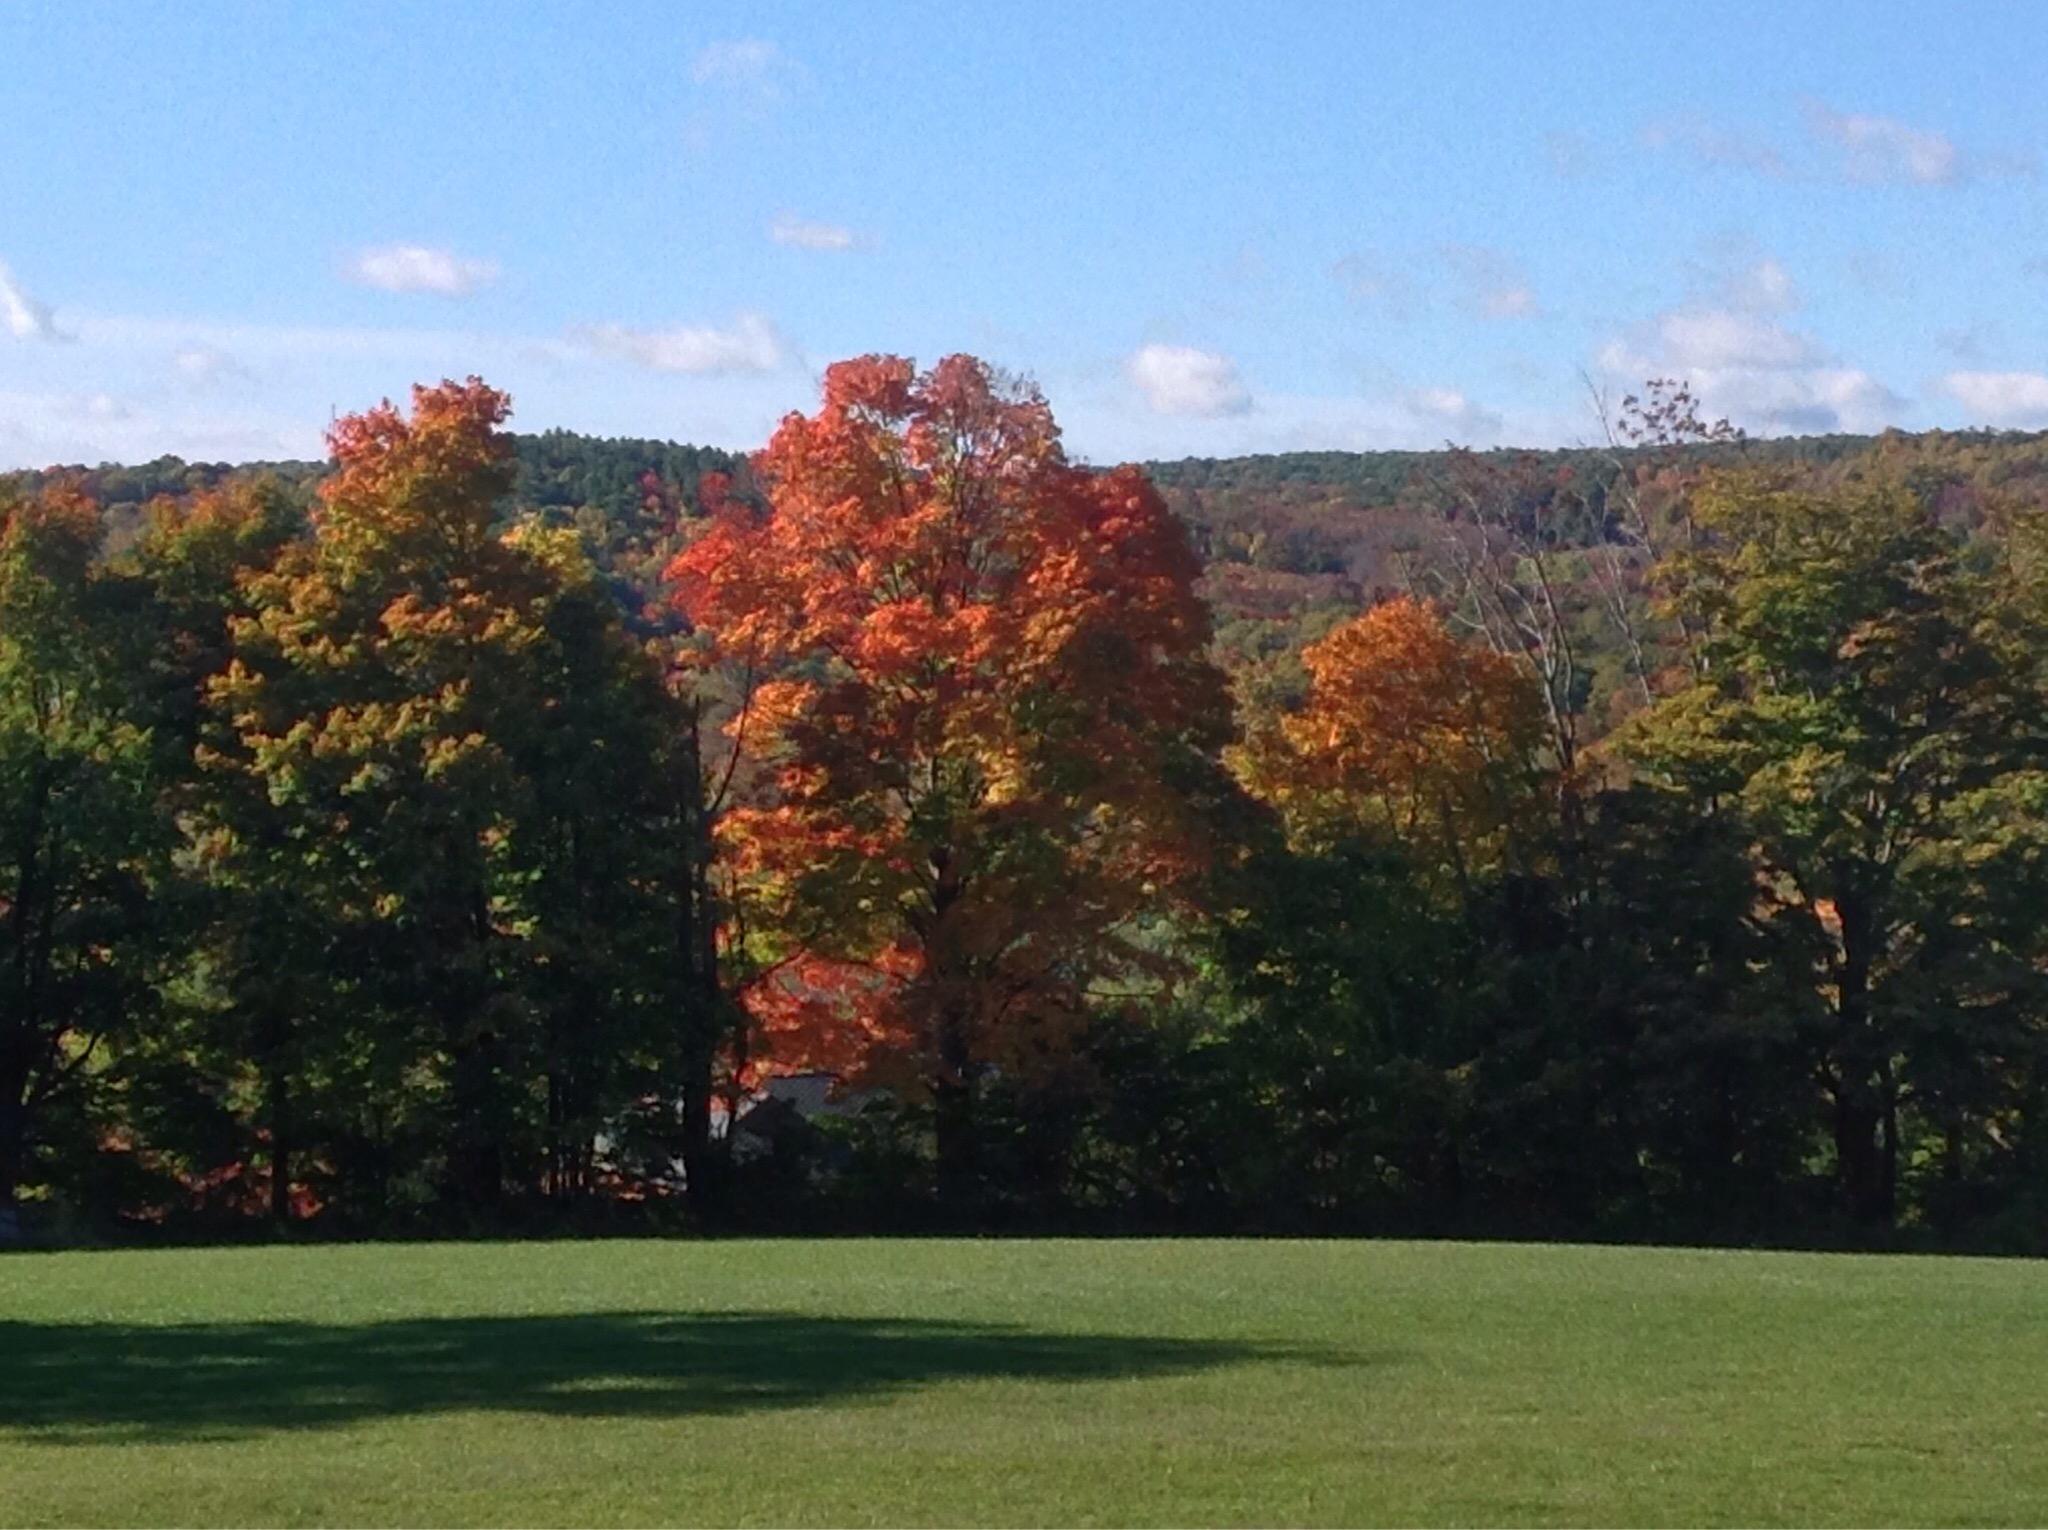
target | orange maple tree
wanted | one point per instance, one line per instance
(1407, 733)
(988, 671)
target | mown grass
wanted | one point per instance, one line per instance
(1019, 1383)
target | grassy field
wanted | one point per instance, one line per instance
(1017, 1383)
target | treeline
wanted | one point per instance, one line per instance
(447, 841)
(611, 486)
(1384, 477)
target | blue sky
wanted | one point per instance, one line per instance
(1204, 229)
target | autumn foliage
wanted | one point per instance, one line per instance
(1409, 734)
(989, 666)
(426, 844)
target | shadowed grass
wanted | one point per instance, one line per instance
(104, 1381)
(984, 1382)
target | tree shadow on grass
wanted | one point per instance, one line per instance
(108, 1381)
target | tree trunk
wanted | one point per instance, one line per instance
(555, 1169)
(707, 1016)
(953, 1117)
(13, 1155)
(704, 1177)
(476, 1165)
(1861, 1100)
(953, 1123)
(477, 1053)
(278, 1107)
(952, 1078)
(1858, 1169)
(1888, 1168)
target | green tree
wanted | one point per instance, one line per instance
(1857, 695)
(81, 842)
(433, 734)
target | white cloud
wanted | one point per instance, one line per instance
(1108, 425)
(1765, 287)
(421, 268)
(1455, 417)
(2001, 398)
(21, 315)
(1688, 340)
(1883, 149)
(40, 429)
(203, 366)
(1755, 371)
(1858, 147)
(1181, 380)
(1810, 402)
(749, 344)
(1708, 339)
(801, 234)
(152, 367)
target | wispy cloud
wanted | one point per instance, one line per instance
(421, 268)
(1717, 339)
(1886, 150)
(1732, 272)
(1572, 156)
(1489, 283)
(1371, 278)
(1455, 417)
(248, 342)
(1762, 287)
(21, 315)
(1969, 342)
(737, 59)
(802, 234)
(748, 67)
(206, 366)
(1715, 147)
(739, 80)
(1181, 380)
(1857, 148)
(749, 344)
(2015, 399)
(40, 429)
(1480, 281)
(210, 389)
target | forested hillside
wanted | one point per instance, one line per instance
(1647, 841)
(1289, 542)
(599, 481)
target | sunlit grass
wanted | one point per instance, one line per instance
(1013, 1382)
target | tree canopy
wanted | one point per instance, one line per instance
(909, 825)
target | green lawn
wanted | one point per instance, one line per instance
(1018, 1382)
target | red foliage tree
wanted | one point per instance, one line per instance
(990, 675)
